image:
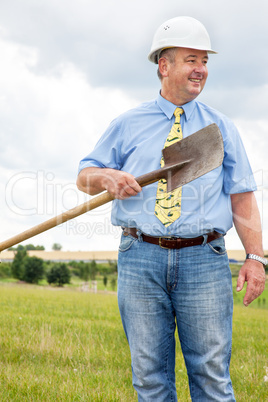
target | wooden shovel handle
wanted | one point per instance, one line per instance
(57, 220)
(95, 202)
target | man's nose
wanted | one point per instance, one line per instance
(200, 68)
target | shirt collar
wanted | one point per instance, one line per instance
(169, 108)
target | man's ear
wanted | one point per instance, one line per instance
(163, 66)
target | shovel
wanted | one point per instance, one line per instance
(185, 161)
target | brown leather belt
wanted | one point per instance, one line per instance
(176, 242)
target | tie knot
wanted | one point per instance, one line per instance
(178, 112)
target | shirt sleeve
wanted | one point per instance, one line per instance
(106, 152)
(238, 175)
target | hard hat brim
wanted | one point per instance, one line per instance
(153, 56)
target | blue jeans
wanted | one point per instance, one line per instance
(191, 287)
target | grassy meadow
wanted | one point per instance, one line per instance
(67, 345)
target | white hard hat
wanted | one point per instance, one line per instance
(180, 32)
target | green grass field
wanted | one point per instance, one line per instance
(66, 345)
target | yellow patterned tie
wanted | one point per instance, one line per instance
(168, 205)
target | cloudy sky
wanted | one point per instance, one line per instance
(63, 62)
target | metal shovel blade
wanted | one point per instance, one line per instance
(198, 154)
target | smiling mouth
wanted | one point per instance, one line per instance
(195, 80)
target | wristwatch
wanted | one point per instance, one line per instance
(264, 261)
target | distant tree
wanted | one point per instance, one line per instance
(27, 247)
(105, 280)
(56, 247)
(17, 266)
(33, 269)
(93, 270)
(84, 271)
(75, 267)
(32, 247)
(113, 283)
(113, 266)
(5, 270)
(59, 274)
(87, 270)
(20, 247)
(42, 248)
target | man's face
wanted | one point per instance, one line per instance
(186, 77)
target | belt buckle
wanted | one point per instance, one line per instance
(160, 243)
(170, 238)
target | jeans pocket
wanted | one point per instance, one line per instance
(126, 242)
(218, 246)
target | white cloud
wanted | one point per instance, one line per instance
(56, 114)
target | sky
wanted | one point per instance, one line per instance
(69, 67)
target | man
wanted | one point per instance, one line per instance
(159, 287)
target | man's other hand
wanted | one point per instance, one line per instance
(253, 273)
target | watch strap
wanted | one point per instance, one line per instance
(255, 257)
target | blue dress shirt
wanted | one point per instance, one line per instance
(133, 142)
